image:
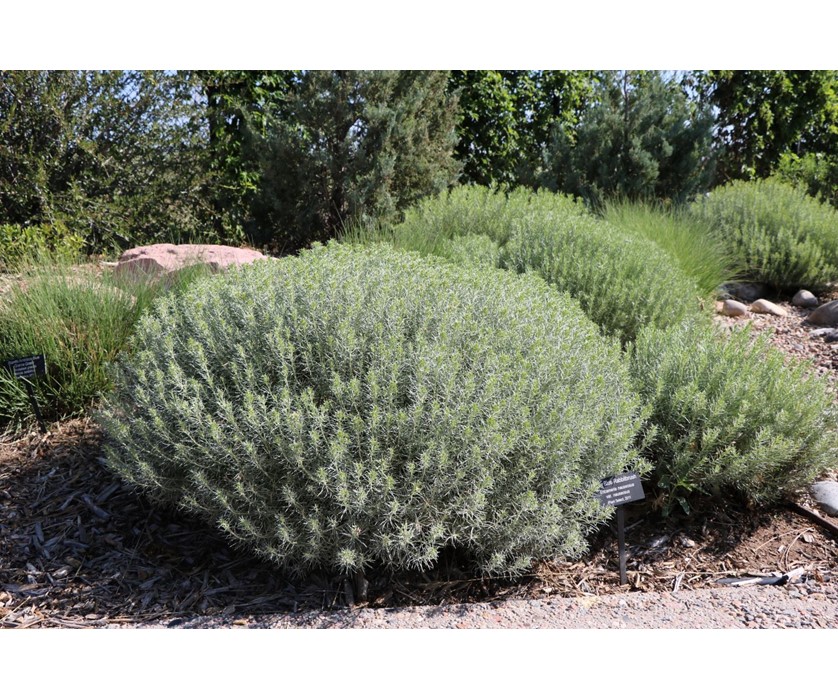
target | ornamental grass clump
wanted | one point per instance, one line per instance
(355, 407)
(780, 235)
(80, 318)
(731, 414)
(687, 238)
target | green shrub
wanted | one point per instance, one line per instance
(781, 236)
(621, 280)
(358, 406)
(80, 318)
(688, 239)
(729, 414)
(24, 245)
(815, 173)
(465, 211)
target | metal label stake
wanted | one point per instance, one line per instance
(621, 543)
(24, 368)
(616, 490)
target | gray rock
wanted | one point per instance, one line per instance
(763, 306)
(744, 291)
(805, 299)
(819, 332)
(731, 307)
(824, 315)
(825, 494)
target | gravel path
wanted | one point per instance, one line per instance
(809, 605)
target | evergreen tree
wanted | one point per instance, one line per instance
(352, 146)
(639, 138)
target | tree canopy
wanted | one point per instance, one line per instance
(640, 137)
(763, 114)
(285, 158)
(116, 156)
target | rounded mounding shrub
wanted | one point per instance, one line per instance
(622, 280)
(780, 235)
(731, 414)
(355, 407)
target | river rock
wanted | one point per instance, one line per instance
(825, 314)
(805, 299)
(164, 258)
(731, 307)
(825, 494)
(763, 306)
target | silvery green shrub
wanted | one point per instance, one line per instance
(781, 236)
(622, 280)
(724, 415)
(732, 414)
(356, 406)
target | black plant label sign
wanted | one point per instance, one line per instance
(623, 488)
(25, 367)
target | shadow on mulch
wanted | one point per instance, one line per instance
(79, 548)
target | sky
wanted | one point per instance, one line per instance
(433, 34)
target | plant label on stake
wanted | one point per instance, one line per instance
(615, 491)
(25, 368)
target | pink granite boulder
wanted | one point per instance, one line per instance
(165, 258)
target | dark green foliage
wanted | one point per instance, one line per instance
(764, 114)
(731, 414)
(81, 320)
(640, 137)
(353, 146)
(780, 236)
(354, 407)
(239, 105)
(112, 156)
(506, 117)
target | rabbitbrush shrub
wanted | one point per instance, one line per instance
(731, 415)
(622, 280)
(780, 235)
(359, 406)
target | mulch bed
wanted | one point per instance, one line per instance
(79, 548)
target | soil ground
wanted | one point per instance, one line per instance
(80, 549)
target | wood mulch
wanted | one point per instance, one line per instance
(79, 548)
